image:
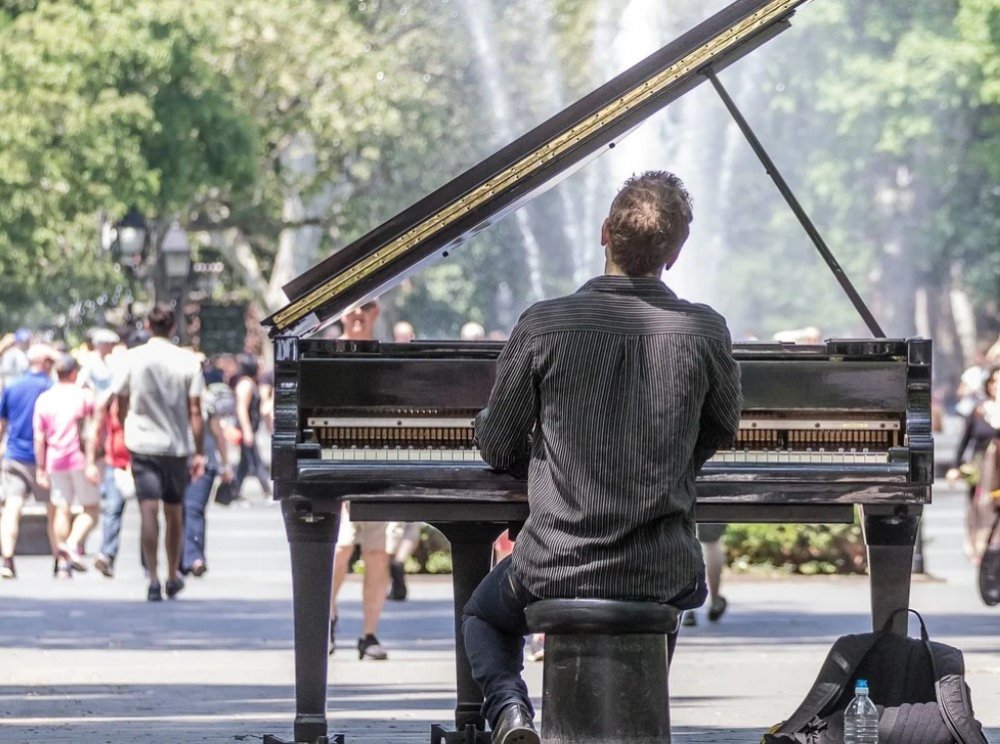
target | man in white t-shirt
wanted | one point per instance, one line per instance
(159, 402)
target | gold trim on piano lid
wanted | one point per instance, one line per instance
(529, 164)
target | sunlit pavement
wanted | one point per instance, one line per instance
(91, 661)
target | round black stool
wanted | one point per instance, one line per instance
(605, 674)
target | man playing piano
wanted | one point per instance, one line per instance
(610, 399)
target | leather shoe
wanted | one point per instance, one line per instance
(514, 726)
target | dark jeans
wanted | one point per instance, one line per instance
(196, 497)
(494, 626)
(251, 464)
(112, 508)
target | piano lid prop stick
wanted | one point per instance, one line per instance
(800, 213)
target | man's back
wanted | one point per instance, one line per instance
(59, 412)
(17, 406)
(633, 389)
(159, 379)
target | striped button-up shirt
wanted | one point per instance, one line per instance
(612, 398)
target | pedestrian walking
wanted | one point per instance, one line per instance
(159, 399)
(375, 539)
(14, 359)
(118, 486)
(218, 411)
(18, 473)
(95, 370)
(67, 464)
(248, 413)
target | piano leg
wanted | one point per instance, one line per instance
(471, 561)
(890, 534)
(311, 538)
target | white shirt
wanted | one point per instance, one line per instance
(159, 378)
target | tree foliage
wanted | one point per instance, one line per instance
(279, 130)
(103, 105)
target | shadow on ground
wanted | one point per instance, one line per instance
(218, 624)
(373, 714)
(420, 625)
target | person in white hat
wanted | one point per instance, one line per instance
(95, 372)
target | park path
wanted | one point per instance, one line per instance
(90, 662)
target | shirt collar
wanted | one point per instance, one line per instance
(630, 285)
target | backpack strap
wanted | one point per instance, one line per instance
(956, 710)
(844, 657)
(887, 627)
(952, 693)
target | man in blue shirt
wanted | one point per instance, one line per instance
(17, 470)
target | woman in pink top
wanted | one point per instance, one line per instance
(66, 464)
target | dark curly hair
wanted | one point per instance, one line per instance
(161, 319)
(648, 223)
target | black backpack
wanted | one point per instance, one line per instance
(918, 687)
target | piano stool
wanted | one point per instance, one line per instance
(605, 673)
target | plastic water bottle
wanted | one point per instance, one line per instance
(861, 717)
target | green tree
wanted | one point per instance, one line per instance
(885, 125)
(103, 104)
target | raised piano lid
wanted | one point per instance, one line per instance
(525, 168)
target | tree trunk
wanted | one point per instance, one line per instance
(298, 247)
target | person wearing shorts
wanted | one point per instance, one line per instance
(67, 464)
(159, 399)
(374, 539)
(18, 478)
(710, 536)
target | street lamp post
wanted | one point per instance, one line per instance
(127, 240)
(175, 253)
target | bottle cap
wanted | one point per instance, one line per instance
(861, 684)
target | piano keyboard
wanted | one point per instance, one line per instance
(761, 438)
(468, 455)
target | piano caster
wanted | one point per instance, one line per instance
(336, 739)
(469, 735)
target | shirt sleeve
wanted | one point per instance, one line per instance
(504, 427)
(120, 380)
(197, 384)
(720, 413)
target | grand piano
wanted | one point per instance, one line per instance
(825, 429)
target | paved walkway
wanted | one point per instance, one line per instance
(90, 661)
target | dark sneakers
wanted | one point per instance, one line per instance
(515, 726)
(397, 590)
(717, 609)
(7, 569)
(174, 587)
(154, 594)
(370, 648)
